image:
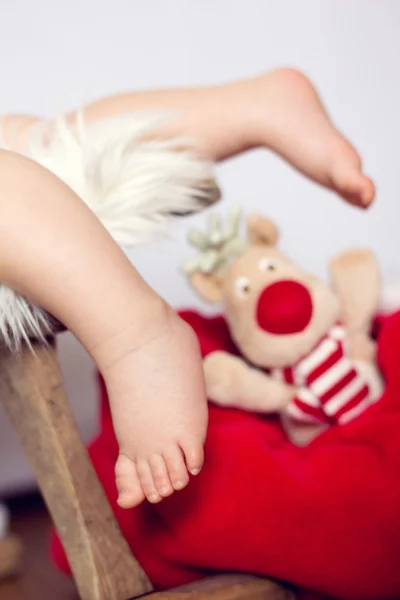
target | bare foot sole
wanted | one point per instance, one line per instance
(297, 127)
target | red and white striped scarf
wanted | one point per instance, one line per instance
(330, 388)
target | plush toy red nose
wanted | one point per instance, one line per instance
(284, 307)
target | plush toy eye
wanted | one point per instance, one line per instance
(242, 286)
(266, 264)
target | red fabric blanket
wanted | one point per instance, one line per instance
(325, 518)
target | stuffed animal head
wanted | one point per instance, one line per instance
(276, 311)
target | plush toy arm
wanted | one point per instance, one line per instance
(356, 280)
(231, 382)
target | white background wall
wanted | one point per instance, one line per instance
(58, 55)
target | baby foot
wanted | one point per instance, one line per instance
(296, 126)
(158, 402)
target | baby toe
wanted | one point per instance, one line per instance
(147, 482)
(176, 466)
(160, 475)
(367, 191)
(130, 491)
(358, 190)
(353, 185)
(194, 454)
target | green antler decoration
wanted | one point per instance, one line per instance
(217, 245)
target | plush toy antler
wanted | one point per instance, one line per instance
(216, 246)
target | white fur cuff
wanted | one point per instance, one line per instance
(129, 179)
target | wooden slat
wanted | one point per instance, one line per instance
(32, 391)
(228, 587)
(10, 556)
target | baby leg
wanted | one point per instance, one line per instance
(279, 110)
(14, 129)
(56, 252)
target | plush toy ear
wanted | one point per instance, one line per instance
(208, 286)
(261, 231)
(355, 277)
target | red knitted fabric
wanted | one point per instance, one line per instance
(325, 518)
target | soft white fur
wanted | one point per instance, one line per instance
(129, 180)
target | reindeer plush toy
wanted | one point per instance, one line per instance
(305, 347)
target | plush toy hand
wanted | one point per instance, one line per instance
(231, 382)
(362, 348)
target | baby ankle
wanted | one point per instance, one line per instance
(147, 323)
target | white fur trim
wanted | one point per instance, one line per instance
(131, 184)
(20, 319)
(130, 181)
